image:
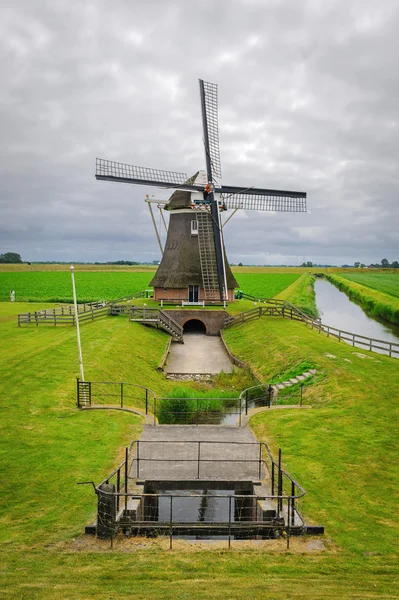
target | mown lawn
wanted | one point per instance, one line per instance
(342, 451)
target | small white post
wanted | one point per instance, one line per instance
(82, 377)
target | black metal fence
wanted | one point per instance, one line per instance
(267, 394)
(113, 393)
(199, 501)
(185, 411)
(198, 411)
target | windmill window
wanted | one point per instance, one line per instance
(194, 227)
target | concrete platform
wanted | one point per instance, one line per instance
(187, 452)
(199, 354)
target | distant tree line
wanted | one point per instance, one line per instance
(10, 258)
(385, 264)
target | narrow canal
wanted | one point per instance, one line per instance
(338, 311)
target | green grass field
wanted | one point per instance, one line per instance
(342, 451)
(265, 285)
(55, 286)
(388, 283)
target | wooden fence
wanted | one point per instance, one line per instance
(64, 314)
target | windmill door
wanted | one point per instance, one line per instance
(193, 293)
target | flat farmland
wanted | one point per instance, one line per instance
(387, 283)
(265, 285)
(55, 286)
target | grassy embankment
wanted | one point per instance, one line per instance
(342, 451)
(302, 295)
(377, 303)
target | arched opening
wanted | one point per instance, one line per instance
(194, 326)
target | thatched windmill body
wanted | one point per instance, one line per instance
(194, 266)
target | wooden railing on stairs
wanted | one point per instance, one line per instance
(152, 316)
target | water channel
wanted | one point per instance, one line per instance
(338, 311)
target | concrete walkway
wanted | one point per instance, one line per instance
(171, 452)
(200, 353)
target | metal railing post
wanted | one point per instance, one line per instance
(146, 401)
(260, 460)
(280, 483)
(138, 459)
(292, 503)
(118, 488)
(246, 402)
(170, 524)
(272, 477)
(198, 460)
(229, 521)
(77, 392)
(126, 476)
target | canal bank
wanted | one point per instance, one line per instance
(337, 310)
(376, 304)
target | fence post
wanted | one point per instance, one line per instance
(260, 460)
(138, 459)
(121, 395)
(198, 460)
(229, 521)
(170, 524)
(118, 488)
(77, 392)
(279, 484)
(272, 477)
(293, 503)
(126, 475)
(146, 401)
(246, 402)
(155, 411)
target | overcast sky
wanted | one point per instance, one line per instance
(308, 100)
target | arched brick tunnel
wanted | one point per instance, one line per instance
(194, 326)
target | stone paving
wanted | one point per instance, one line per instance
(187, 452)
(199, 354)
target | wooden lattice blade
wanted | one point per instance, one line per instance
(263, 199)
(110, 170)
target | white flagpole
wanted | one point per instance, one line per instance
(82, 376)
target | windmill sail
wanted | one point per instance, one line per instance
(110, 170)
(265, 200)
(209, 107)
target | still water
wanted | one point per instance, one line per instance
(338, 311)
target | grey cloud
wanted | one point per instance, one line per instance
(308, 100)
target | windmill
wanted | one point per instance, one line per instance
(194, 265)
